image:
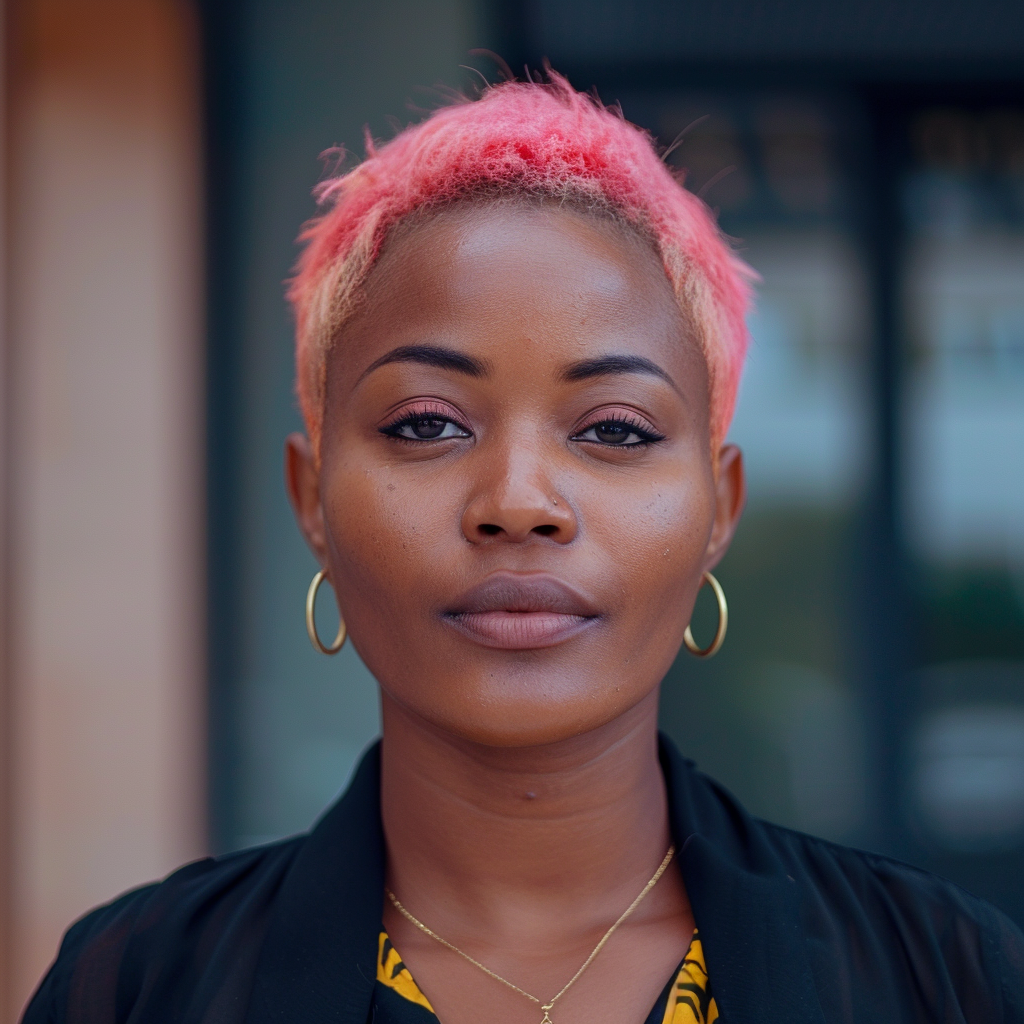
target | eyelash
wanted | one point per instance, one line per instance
(646, 435)
(418, 415)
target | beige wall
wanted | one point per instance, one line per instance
(104, 744)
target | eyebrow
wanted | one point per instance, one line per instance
(430, 355)
(605, 365)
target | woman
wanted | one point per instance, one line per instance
(518, 344)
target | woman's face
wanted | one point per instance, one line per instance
(516, 499)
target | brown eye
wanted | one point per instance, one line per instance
(612, 433)
(418, 427)
(618, 434)
(428, 429)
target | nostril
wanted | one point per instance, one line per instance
(546, 530)
(490, 529)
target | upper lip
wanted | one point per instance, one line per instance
(514, 592)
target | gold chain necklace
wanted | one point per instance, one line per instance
(549, 1005)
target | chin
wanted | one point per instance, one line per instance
(522, 710)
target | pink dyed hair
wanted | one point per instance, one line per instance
(518, 139)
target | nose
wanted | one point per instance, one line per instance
(515, 501)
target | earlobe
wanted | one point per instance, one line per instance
(302, 481)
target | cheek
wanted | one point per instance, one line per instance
(386, 531)
(654, 528)
(656, 551)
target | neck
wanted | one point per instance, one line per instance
(494, 836)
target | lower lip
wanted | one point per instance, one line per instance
(519, 631)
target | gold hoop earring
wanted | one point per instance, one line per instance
(723, 623)
(314, 637)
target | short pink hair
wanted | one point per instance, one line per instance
(518, 139)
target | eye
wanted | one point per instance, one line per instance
(428, 428)
(618, 433)
(426, 425)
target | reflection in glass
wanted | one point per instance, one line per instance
(801, 418)
(970, 776)
(965, 398)
(962, 492)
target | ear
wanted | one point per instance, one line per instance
(730, 497)
(302, 480)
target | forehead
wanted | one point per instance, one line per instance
(564, 283)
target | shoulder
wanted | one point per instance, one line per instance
(876, 939)
(890, 922)
(199, 930)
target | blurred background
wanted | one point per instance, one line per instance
(158, 696)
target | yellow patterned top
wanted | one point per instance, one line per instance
(690, 1000)
(398, 999)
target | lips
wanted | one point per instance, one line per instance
(521, 612)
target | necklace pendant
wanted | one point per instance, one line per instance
(546, 1019)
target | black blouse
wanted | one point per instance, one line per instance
(794, 929)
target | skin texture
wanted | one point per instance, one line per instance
(522, 801)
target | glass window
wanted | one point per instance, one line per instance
(963, 488)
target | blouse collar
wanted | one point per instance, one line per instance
(318, 962)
